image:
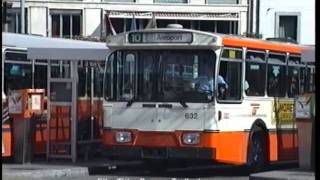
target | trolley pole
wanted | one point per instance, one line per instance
(22, 19)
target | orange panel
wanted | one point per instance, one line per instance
(231, 147)
(283, 145)
(84, 107)
(7, 140)
(40, 139)
(227, 149)
(288, 145)
(260, 44)
(273, 146)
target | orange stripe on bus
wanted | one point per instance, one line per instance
(261, 45)
(231, 147)
(283, 145)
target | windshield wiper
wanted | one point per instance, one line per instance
(183, 103)
(130, 102)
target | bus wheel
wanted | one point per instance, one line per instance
(257, 156)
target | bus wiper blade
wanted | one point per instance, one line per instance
(130, 102)
(183, 103)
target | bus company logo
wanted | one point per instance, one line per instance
(254, 111)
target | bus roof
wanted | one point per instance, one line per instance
(202, 39)
(259, 44)
(55, 48)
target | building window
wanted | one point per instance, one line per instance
(14, 24)
(222, 1)
(288, 26)
(66, 24)
(170, 1)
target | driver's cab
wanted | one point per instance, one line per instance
(161, 75)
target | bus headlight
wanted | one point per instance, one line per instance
(191, 138)
(123, 136)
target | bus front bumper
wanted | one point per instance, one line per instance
(160, 152)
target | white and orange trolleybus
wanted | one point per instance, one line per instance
(175, 93)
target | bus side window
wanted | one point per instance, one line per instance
(109, 78)
(255, 74)
(231, 72)
(310, 79)
(293, 81)
(18, 76)
(40, 74)
(276, 75)
(302, 80)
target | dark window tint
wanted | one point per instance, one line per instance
(255, 74)
(229, 80)
(288, 27)
(76, 25)
(83, 85)
(163, 23)
(40, 77)
(66, 26)
(17, 76)
(55, 26)
(276, 80)
(293, 81)
(310, 86)
(98, 79)
(14, 56)
(303, 74)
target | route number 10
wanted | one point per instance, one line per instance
(135, 38)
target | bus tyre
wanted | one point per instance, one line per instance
(257, 156)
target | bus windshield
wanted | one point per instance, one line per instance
(160, 75)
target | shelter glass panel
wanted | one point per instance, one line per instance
(40, 76)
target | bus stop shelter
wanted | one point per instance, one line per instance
(62, 90)
(305, 118)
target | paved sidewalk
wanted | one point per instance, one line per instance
(55, 169)
(41, 171)
(289, 174)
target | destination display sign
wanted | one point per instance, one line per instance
(160, 37)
